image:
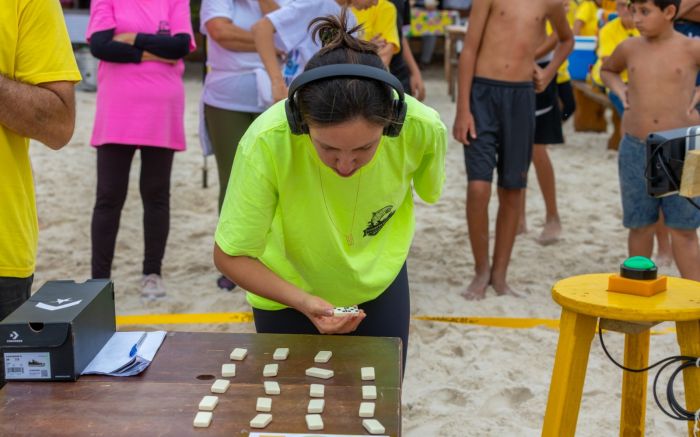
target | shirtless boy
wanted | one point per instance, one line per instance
(495, 119)
(662, 65)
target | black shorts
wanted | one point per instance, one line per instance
(548, 128)
(504, 114)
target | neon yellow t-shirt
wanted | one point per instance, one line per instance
(587, 12)
(611, 35)
(35, 49)
(379, 21)
(286, 208)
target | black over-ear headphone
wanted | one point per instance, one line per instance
(398, 107)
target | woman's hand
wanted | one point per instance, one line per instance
(320, 313)
(126, 38)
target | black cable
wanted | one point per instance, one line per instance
(675, 405)
(654, 154)
(656, 395)
(602, 343)
(676, 409)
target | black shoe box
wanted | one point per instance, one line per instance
(56, 333)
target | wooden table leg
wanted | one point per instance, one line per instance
(688, 334)
(575, 335)
(634, 385)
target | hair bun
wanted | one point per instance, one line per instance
(327, 35)
(332, 33)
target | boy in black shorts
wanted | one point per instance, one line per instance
(495, 119)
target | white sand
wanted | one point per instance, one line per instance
(461, 380)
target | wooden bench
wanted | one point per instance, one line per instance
(591, 104)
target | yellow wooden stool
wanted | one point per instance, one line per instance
(584, 300)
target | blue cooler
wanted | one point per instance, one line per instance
(582, 57)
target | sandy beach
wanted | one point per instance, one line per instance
(461, 379)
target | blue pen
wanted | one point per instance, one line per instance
(135, 347)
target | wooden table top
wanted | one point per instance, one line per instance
(164, 399)
(587, 294)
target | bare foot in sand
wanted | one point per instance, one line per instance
(663, 259)
(503, 289)
(477, 288)
(550, 233)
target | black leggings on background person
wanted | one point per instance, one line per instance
(113, 166)
(387, 316)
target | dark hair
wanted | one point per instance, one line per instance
(337, 100)
(662, 4)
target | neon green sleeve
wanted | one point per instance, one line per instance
(250, 204)
(429, 177)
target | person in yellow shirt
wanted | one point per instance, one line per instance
(571, 12)
(379, 26)
(611, 35)
(586, 22)
(37, 76)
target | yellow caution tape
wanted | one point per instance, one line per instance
(214, 318)
(495, 322)
(185, 319)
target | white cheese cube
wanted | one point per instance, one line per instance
(208, 403)
(272, 388)
(220, 386)
(367, 373)
(373, 426)
(203, 419)
(323, 357)
(314, 422)
(319, 373)
(228, 370)
(264, 405)
(281, 353)
(238, 354)
(262, 420)
(316, 406)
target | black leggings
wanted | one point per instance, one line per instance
(113, 166)
(387, 316)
